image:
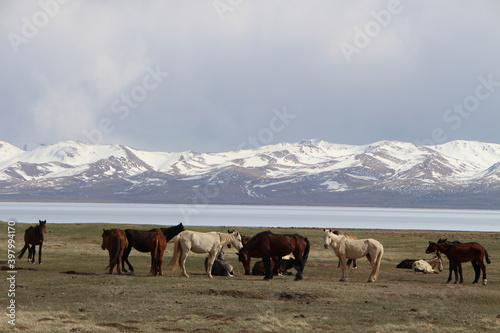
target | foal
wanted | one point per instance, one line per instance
(33, 236)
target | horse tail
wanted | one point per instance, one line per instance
(176, 257)
(114, 261)
(487, 257)
(378, 260)
(21, 253)
(306, 251)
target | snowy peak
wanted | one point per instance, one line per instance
(311, 168)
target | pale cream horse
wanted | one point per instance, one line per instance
(202, 242)
(346, 248)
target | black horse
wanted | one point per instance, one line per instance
(139, 240)
(33, 236)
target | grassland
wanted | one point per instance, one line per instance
(71, 292)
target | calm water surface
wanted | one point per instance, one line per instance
(254, 216)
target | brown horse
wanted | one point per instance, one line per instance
(115, 241)
(266, 245)
(33, 236)
(140, 240)
(462, 252)
(157, 244)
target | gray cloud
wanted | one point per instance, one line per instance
(84, 66)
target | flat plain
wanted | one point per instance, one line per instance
(71, 292)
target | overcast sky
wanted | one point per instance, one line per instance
(228, 74)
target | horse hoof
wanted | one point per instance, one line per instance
(370, 281)
(484, 282)
(342, 280)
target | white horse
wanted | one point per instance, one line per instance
(346, 248)
(202, 242)
(428, 266)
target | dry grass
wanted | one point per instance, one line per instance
(88, 300)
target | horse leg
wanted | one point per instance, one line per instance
(450, 268)
(267, 266)
(277, 265)
(40, 253)
(125, 259)
(460, 272)
(299, 266)
(33, 254)
(343, 266)
(481, 265)
(182, 260)
(211, 259)
(354, 265)
(477, 271)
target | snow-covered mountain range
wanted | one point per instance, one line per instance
(460, 174)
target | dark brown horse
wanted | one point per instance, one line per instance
(462, 252)
(33, 236)
(157, 244)
(115, 241)
(266, 245)
(140, 240)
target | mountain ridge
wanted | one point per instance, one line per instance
(456, 174)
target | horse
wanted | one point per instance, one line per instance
(202, 242)
(33, 236)
(349, 261)
(140, 240)
(346, 248)
(266, 245)
(157, 244)
(428, 266)
(285, 264)
(220, 267)
(115, 241)
(462, 252)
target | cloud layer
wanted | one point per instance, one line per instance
(347, 72)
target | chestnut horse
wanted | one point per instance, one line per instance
(157, 244)
(115, 241)
(266, 245)
(140, 240)
(462, 252)
(33, 236)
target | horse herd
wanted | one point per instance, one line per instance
(269, 247)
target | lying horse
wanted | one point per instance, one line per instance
(285, 264)
(428, 266)
(346, 248)
(202, 242)
(115, 241)
(140, 240)
(33, 236)
(462, 252)
(266, 245)
(220, 267)
(157, 244)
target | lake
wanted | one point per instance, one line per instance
(253, 216)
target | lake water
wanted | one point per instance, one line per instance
(254, 216)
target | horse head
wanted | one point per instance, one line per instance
(328, 240)
(431, 248)
(105, 234)
(235, 240)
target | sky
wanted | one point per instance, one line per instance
(222, 75)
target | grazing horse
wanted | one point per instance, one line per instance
(266, 245)
(202, 242)
(33, 236)
(428, 266)
(140, 240)
(346, 248)
(157, 244)
(115, 241)
(462, 252)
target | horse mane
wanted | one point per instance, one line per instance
(254, 239)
